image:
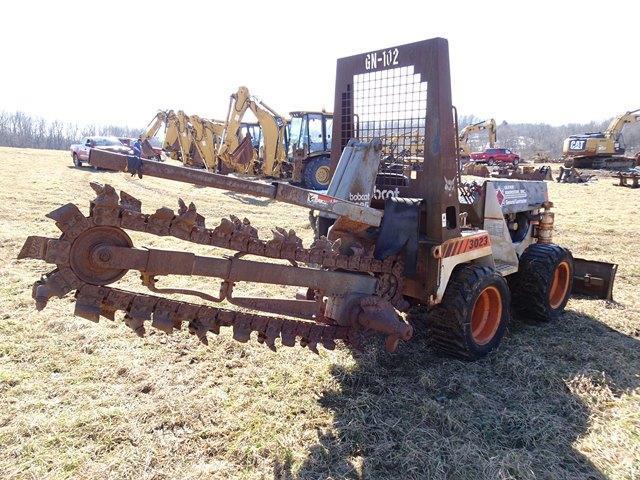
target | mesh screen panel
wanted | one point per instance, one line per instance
(391, 105)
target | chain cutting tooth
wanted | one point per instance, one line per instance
(242, 327)
(55, 284)
(288, 334)
(327, 339)
(70, 220)
(105, 208)
(135, 324)
(89, 300)
(315, 335)
(129, 202)
(159, 223)
(185, 221)
(274, 327)
(34, 247)
(162, 315)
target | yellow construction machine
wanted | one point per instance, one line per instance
(240, 155)
(178, 138)
(601, 149)
(310, 148)
(463, 138)
(206, 136)
(273, 146)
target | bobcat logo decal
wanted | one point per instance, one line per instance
(449, 185)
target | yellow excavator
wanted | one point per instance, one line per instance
(274, 147)
(463, 138)
(601, 149)
(206, 135)
(178, 138)
(240, 155)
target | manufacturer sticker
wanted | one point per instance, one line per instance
(319, 199)
(511, 195)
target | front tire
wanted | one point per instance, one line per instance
(542, 286)
(474, 313)
(491, 162)
(76, 161)
(317, 173)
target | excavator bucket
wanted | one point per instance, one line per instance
(243, 154)
(594, 279)
(147, 149)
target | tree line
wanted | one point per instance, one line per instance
(20, 130)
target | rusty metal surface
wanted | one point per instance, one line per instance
(182, 174)
(402, 95)
(278, 191)
(593, 278)
(243, 154)
(108, 260)
(102, 256)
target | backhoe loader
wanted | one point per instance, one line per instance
(601, 149)
(310, 148)
(463, 138)
(178, 138)
(239, 155)
(390, 237)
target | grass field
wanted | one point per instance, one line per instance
(80, 400)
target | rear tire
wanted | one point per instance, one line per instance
(491, 162)
(76, 161)
(474, 313)
(542, 286)
(317, 173)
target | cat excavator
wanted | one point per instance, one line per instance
(601, 149)
(463, 138)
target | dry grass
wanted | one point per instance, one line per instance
(79, 400)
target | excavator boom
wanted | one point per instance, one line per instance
(618, 123)
(463, 138)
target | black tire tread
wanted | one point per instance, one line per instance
(529, 286)
(448, 321)
(309, 175)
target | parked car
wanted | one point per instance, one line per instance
(492, 156)
(80, 151)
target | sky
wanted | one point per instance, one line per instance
(118, 62)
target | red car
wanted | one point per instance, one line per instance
(491, 156)
(80, 151)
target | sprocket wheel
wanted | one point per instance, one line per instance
(82, 257)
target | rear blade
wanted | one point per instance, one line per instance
(594, 279)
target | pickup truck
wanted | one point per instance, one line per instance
(80, 151)
(492, 156)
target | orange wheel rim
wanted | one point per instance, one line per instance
(559, 284)
(486, 315)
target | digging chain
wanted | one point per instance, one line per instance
(124, 211)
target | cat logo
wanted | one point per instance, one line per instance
(577, 144)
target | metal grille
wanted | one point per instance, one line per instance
(391, 105)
